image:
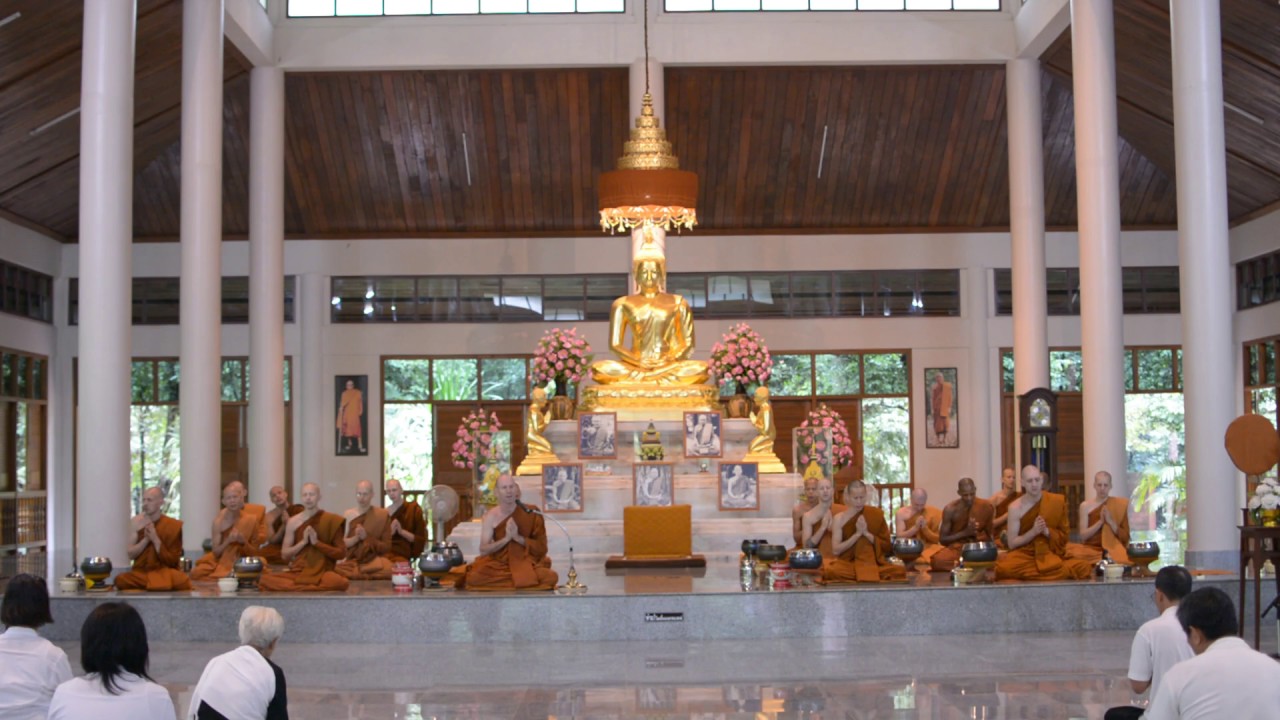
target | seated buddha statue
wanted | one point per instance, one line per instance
(659, 326)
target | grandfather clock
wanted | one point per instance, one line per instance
(1038, 425)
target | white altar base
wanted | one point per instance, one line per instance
(597, 529)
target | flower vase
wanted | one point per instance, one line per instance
(562, 406)
(1269, 518)
(738, 405)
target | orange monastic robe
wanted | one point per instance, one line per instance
(411, 520)
(1043, 558)
(157, 571)
(253, 526)
(312, 567)
(983, 512)
(865, 561)
(364, 560)
(930, 533)
(514, 566)
(350, 408)
(1002, 508)
(1115, 543)
(824, 541)
(271, 551)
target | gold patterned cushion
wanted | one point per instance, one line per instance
(657, 531)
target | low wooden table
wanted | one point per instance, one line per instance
(1253, 553)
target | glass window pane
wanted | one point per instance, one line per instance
(477, 299)
(347, 303)
(896, 292)
(311, 8)
(601, 6)
(976, 4)
(155, 454)
(1006, 371)
(1269, 358)
(407, 444)
(156, 301)
(551, 6)
(769, 294)
(688, 5)
(1063, 291)
(23, 366)
(737, 4)
(142, 381)
(359, 7)
(455, 7)
(886, 441)
(503, 379)
(854, 292)
(1155, 369)
(1180, 367)
(792, 375)
(395, 299)
(880, 4)
(1161, 290)
(928, 4)
(1131, 289)
(563, 298)
(521, 298)
(406, 7)
(833, 4)
(20, 441)
(1252, 376)
(693, 288)
(602, 290)
(503, 6)
(1003, 280)
(406, 379)
(235, 300)
(728, 295)
(885, 373)
(290, 291)
(7, 361)
(1066, 372)
(438, 299)
(38, 366)
(454, 379)
(233, 381)
(838, 374)
(791, 5)
(169, 378)
(288, 381)
(1127, 370)
(811, 295)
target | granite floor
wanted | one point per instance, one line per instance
(1022, 675)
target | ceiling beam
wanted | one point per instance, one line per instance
(247, 26)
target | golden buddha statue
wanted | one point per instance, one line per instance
(660, 325)
(761, 448)
(538, 447)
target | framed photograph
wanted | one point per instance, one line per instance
(562, 487)
(702, 435)
(654, 483)
(812, 453)
(598, 436)
(941, 408)
(350, 394)
(484, 477)
(739, 486)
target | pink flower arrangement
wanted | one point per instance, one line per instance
(562, 356)
(841, 445)
(474, 435)
(741, 357)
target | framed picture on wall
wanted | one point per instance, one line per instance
(654, 483)
(702, 435)
(597, 436)
(562, 487)
(351, 428)
(941, 407)
(739, 486)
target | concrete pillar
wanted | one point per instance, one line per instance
(106, 294)
(266, 281)
(1205, 279)
(977, 304)
(200, 402)
(1098, 189)
(1026, 225)
(313, 400)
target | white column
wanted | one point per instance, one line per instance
(200, 402)
(266, 281)
(1098, 189)
(313, 404)
(977, 302)
(1205, 280)
(106, 294)
(1026, 225)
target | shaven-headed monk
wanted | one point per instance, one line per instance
(312, 545)
(1001, 500)
(1038, 529)
(238, 530)
(156, 549)
(805, 504)
(276, 518)
(513, 543)
(1104, 525)
(367, 540)
(860, 540)
(964, 520)
(816, 523)
(921, 521)
(408, 525)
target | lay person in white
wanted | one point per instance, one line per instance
(1226, 679)
(31, 668)
(244, 684)
(1160, 643)
(114, 653)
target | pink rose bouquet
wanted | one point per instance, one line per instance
(562, 356)
(742, 358)
(842, 446)
(475, 433)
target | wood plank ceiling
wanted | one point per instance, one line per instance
(382, 154)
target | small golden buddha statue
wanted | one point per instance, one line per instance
(538, 447)
(660, 325)
(761, 448)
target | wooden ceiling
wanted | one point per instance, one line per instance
(382, 154)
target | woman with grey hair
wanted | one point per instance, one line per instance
(244, 684)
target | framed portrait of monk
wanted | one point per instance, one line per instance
(597, 436)
(739, 486)
(351, 428)
(702, 435)
(941, 407)
(654, 484)
(562, 488)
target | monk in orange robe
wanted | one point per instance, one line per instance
(312, 544)
(156, 549)
(816, 524)
(513, 543)
(1038, 529)
(941, 397)
(1104, 525)
(238, 530)
(408, 525)
(350, 408)
(276, 519)
(804, 505)
(860, 541)
(921, 521)
(1001, 500)
(367, 539)
(964, 520)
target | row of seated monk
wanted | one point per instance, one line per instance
(325, 551)
(1030, 527)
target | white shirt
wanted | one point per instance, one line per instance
(84, 697)
(30, 669)
(1158, 646)
(1228, 681)
(238, 684)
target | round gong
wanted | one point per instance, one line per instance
(1253, 444)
